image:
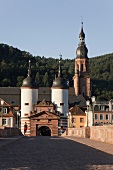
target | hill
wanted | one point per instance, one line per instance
(14, 64)
(101, 73)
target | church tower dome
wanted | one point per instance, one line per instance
(82, 50)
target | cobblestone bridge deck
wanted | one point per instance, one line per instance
(54, 153)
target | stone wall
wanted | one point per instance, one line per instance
(102, 133)
(9, 132)
(98, 133)
(80, 132)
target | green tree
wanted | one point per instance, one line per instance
(46, 80)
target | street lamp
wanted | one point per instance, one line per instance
(93, 102)
(69, 119)
(2, 103)
(18, 119)
(87, 104)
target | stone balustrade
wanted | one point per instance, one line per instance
(9, 132)
(98, 133)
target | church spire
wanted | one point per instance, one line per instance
(29, 68)
(82, 34)
(59, 71)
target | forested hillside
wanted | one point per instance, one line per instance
(14, 64)
(101, 72)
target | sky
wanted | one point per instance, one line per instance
(51, 27)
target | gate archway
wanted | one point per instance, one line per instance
(44, 131)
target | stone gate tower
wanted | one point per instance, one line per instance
(82, 84)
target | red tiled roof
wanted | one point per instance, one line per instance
(76, 111)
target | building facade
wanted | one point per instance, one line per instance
(76, 117)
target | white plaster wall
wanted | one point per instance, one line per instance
(26, 97)
(60, 96)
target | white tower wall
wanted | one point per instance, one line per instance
(29, 97)
(26, 101)
(60, 98)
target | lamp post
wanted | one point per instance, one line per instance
(18, 118)
(92, 108)
(87, 104)
(93, 102)
(2, 103)
(69, 119)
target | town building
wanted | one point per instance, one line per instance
(7, 114)
(76, 117)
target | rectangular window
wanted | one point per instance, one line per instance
(61, 104)
(26, 103)
(107, 117)
(73, 120)
(4, 110)
(96, 116)
(81, 119)
(3, 121)
(26, 114)
(101, 116)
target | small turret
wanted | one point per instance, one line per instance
(28, 81)
(60, 82)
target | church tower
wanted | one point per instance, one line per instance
(82, 84)
(60, 99)
(29, 97)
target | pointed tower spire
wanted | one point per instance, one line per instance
(59, 71)
(82, 35)
(29, 68)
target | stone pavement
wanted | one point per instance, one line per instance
(6, 141)
(53, 153)
(105, 147)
